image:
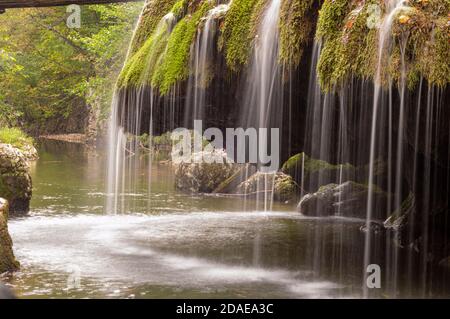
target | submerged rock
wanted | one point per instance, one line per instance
(283, 186)
(7, 260)
(15, 179)
(199, 176)
(311, 173)
(348, 199)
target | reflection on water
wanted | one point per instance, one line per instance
(184, 246)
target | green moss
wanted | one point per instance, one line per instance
(179, 8)
(434, 62)
(295, 25)
(331, 18)
(238, 31)
(150, 17)
(140, 67)
(163, 59)
(310, 164)
(173, 65)
(15, 137)
(349, 47)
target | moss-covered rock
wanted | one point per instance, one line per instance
(199, 176)
(7, 260)
(296, 23)
(15, 179)
(19, 139)
(311, 173)
(161, 46)
(348, 199)
(350, 42)
(160, 58)
(279, 185)
(173, 64)
(238, 31)
(153, 12)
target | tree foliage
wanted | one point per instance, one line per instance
(52, 75)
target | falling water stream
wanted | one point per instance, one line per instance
(384, 46)
(202, 66)
(263, 93)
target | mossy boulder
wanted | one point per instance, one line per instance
(348, 199)
(15, 179)
(7, 260)
(281, 186)
(199, 176)
(311, 173)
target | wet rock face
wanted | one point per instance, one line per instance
(199, 176)
(348, 199)
(15, 179)
(283, 186)
(7, 259)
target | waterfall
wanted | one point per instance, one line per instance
(338, 126)
(263, 92)
(202, 66)
(384, 45)
(125, 162)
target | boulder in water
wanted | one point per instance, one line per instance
(15, 179)
(283, 186)
(204, 176)
(7, 260)
(348, 199)
(311, 173)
